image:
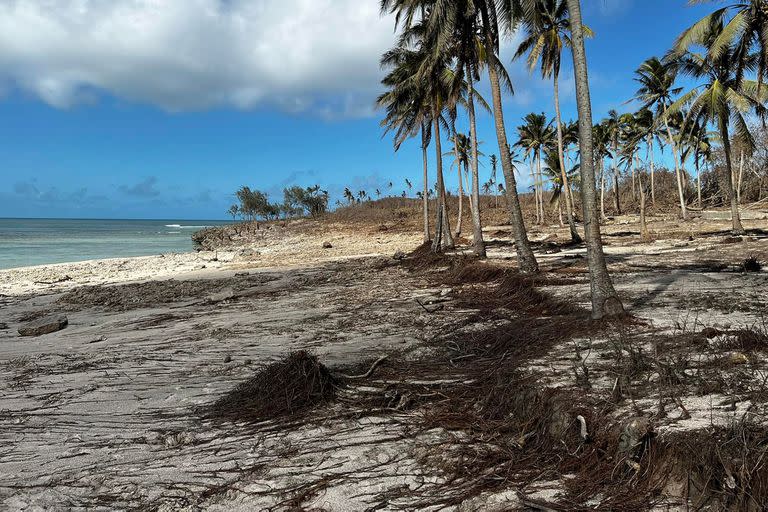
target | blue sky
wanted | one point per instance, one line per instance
(123, 109)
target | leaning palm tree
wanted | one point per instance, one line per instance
(536, 134)
(723, 98)
(547, 30)
(605, 302)
(657, 79)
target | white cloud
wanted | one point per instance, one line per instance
(300, 55)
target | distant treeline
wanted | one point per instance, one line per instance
(297, 202)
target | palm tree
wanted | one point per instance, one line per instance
(601, 151)
(436, 86)
(555, 175)
(656, 91)
(348, 195)
(490, 32)
(570, 138)
(699, 143)
(494, 167)
(613, 128)
(548, 31)
(461, 151)
(745, 26)
(407, 112)
(535, 136)
(645, 123)
(631, 135)
(723, 98)
(605, 302)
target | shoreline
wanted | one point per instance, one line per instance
(57, 277)
(276, 248)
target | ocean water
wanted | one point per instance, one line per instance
(25, 242)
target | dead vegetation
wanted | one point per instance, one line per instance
(282, 389)
(507, 428)
(126, 297)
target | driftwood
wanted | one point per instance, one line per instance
(56, 281)
(366, 374)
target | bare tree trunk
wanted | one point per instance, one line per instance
(677, 166)
(605, 302)
(526, 259)
(425, 199)
(477, 225)
(442, 210)
(564, 175)
(738, 229)
(560, 213)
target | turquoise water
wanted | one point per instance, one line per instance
(26, 242)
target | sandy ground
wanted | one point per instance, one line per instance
(109, 412)
(274, 247)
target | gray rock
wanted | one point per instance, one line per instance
(634, 433)
(327, 245)
(399, 255)
(44, 325)
(3, 326)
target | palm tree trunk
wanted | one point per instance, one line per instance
(442, 210)
(643, 225)
(698, 183)
(677, 166)
(741, 176)
(461, 186)
(540, 186)
(634, 188)
(425, 199)
(477, 224)
(616, 203)
(602, 190)
(738, 229)
(561, 155)
(605, 302)
(468, 187)
(526, 259)
(650, 154)
(535, 189)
